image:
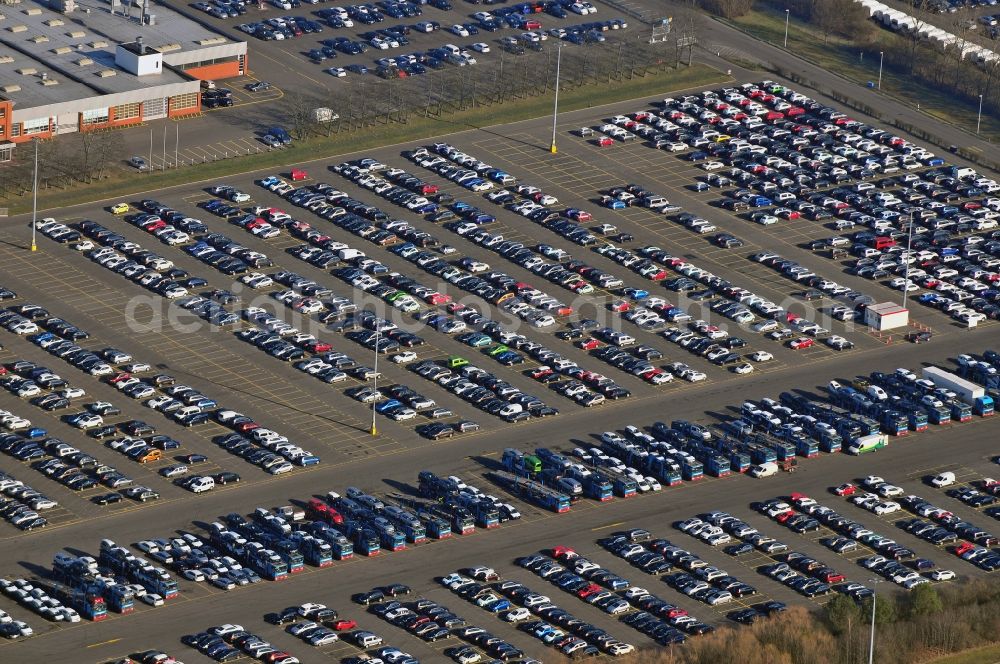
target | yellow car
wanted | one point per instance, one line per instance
(120, 208)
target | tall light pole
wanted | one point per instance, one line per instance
(786, 28)
(555, 107)
(871, 643)
(979, 119)
(881, 57)
(906, 269)
(378, 333)
(34, 197)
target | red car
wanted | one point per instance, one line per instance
(560, 552)
(846, 489)
(588, 344)
(801, 342)
(275, 656)
(437, 299)
(619, 306)
(532, 24)
(605, 141)
(784, 516)
(317, 346)
(341, 625)
(541, 372)
(831, 577)
(298, 174)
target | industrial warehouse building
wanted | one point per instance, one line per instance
(67, 66)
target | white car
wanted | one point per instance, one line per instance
(256, 280)
(873, 481)
(480, 47)
(89, 421)
(339, 72)
(942, 575)
(459, 30)
(152, 599)
(886, 507)
(761, 356)
(517, 615)
(405, 357)
(838, 342)
(743, 369)
(310, 607)
(193, 575)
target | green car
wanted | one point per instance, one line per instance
(479, 341)
(496, 350)
(456, 361)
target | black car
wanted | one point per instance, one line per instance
(395, 590)
(370, 597)
(107, 498)
(227, 478)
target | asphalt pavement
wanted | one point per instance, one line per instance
(320, 417)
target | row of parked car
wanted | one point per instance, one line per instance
(553, 626)
(845, 152)
(35, 598)
(972, 543)
(228, 642)
(57, 459)
(958, 277)
(13, 629)
(669, 623)
(21, 504)
(270, 450)
(886, 548)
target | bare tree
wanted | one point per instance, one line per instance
(299, 113)
(728, 8)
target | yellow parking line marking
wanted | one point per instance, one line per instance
(610, 525)
(103, 643)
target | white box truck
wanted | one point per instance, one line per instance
(969, 392)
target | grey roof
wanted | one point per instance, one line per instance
(77, 50)
(32, 92)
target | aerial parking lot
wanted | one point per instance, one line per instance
(470, 399)
(315, 50)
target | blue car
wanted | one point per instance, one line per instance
(41, 338)
(498, 606)
(387, 405)
(636, 293)
(509, 358)
(279, 133)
